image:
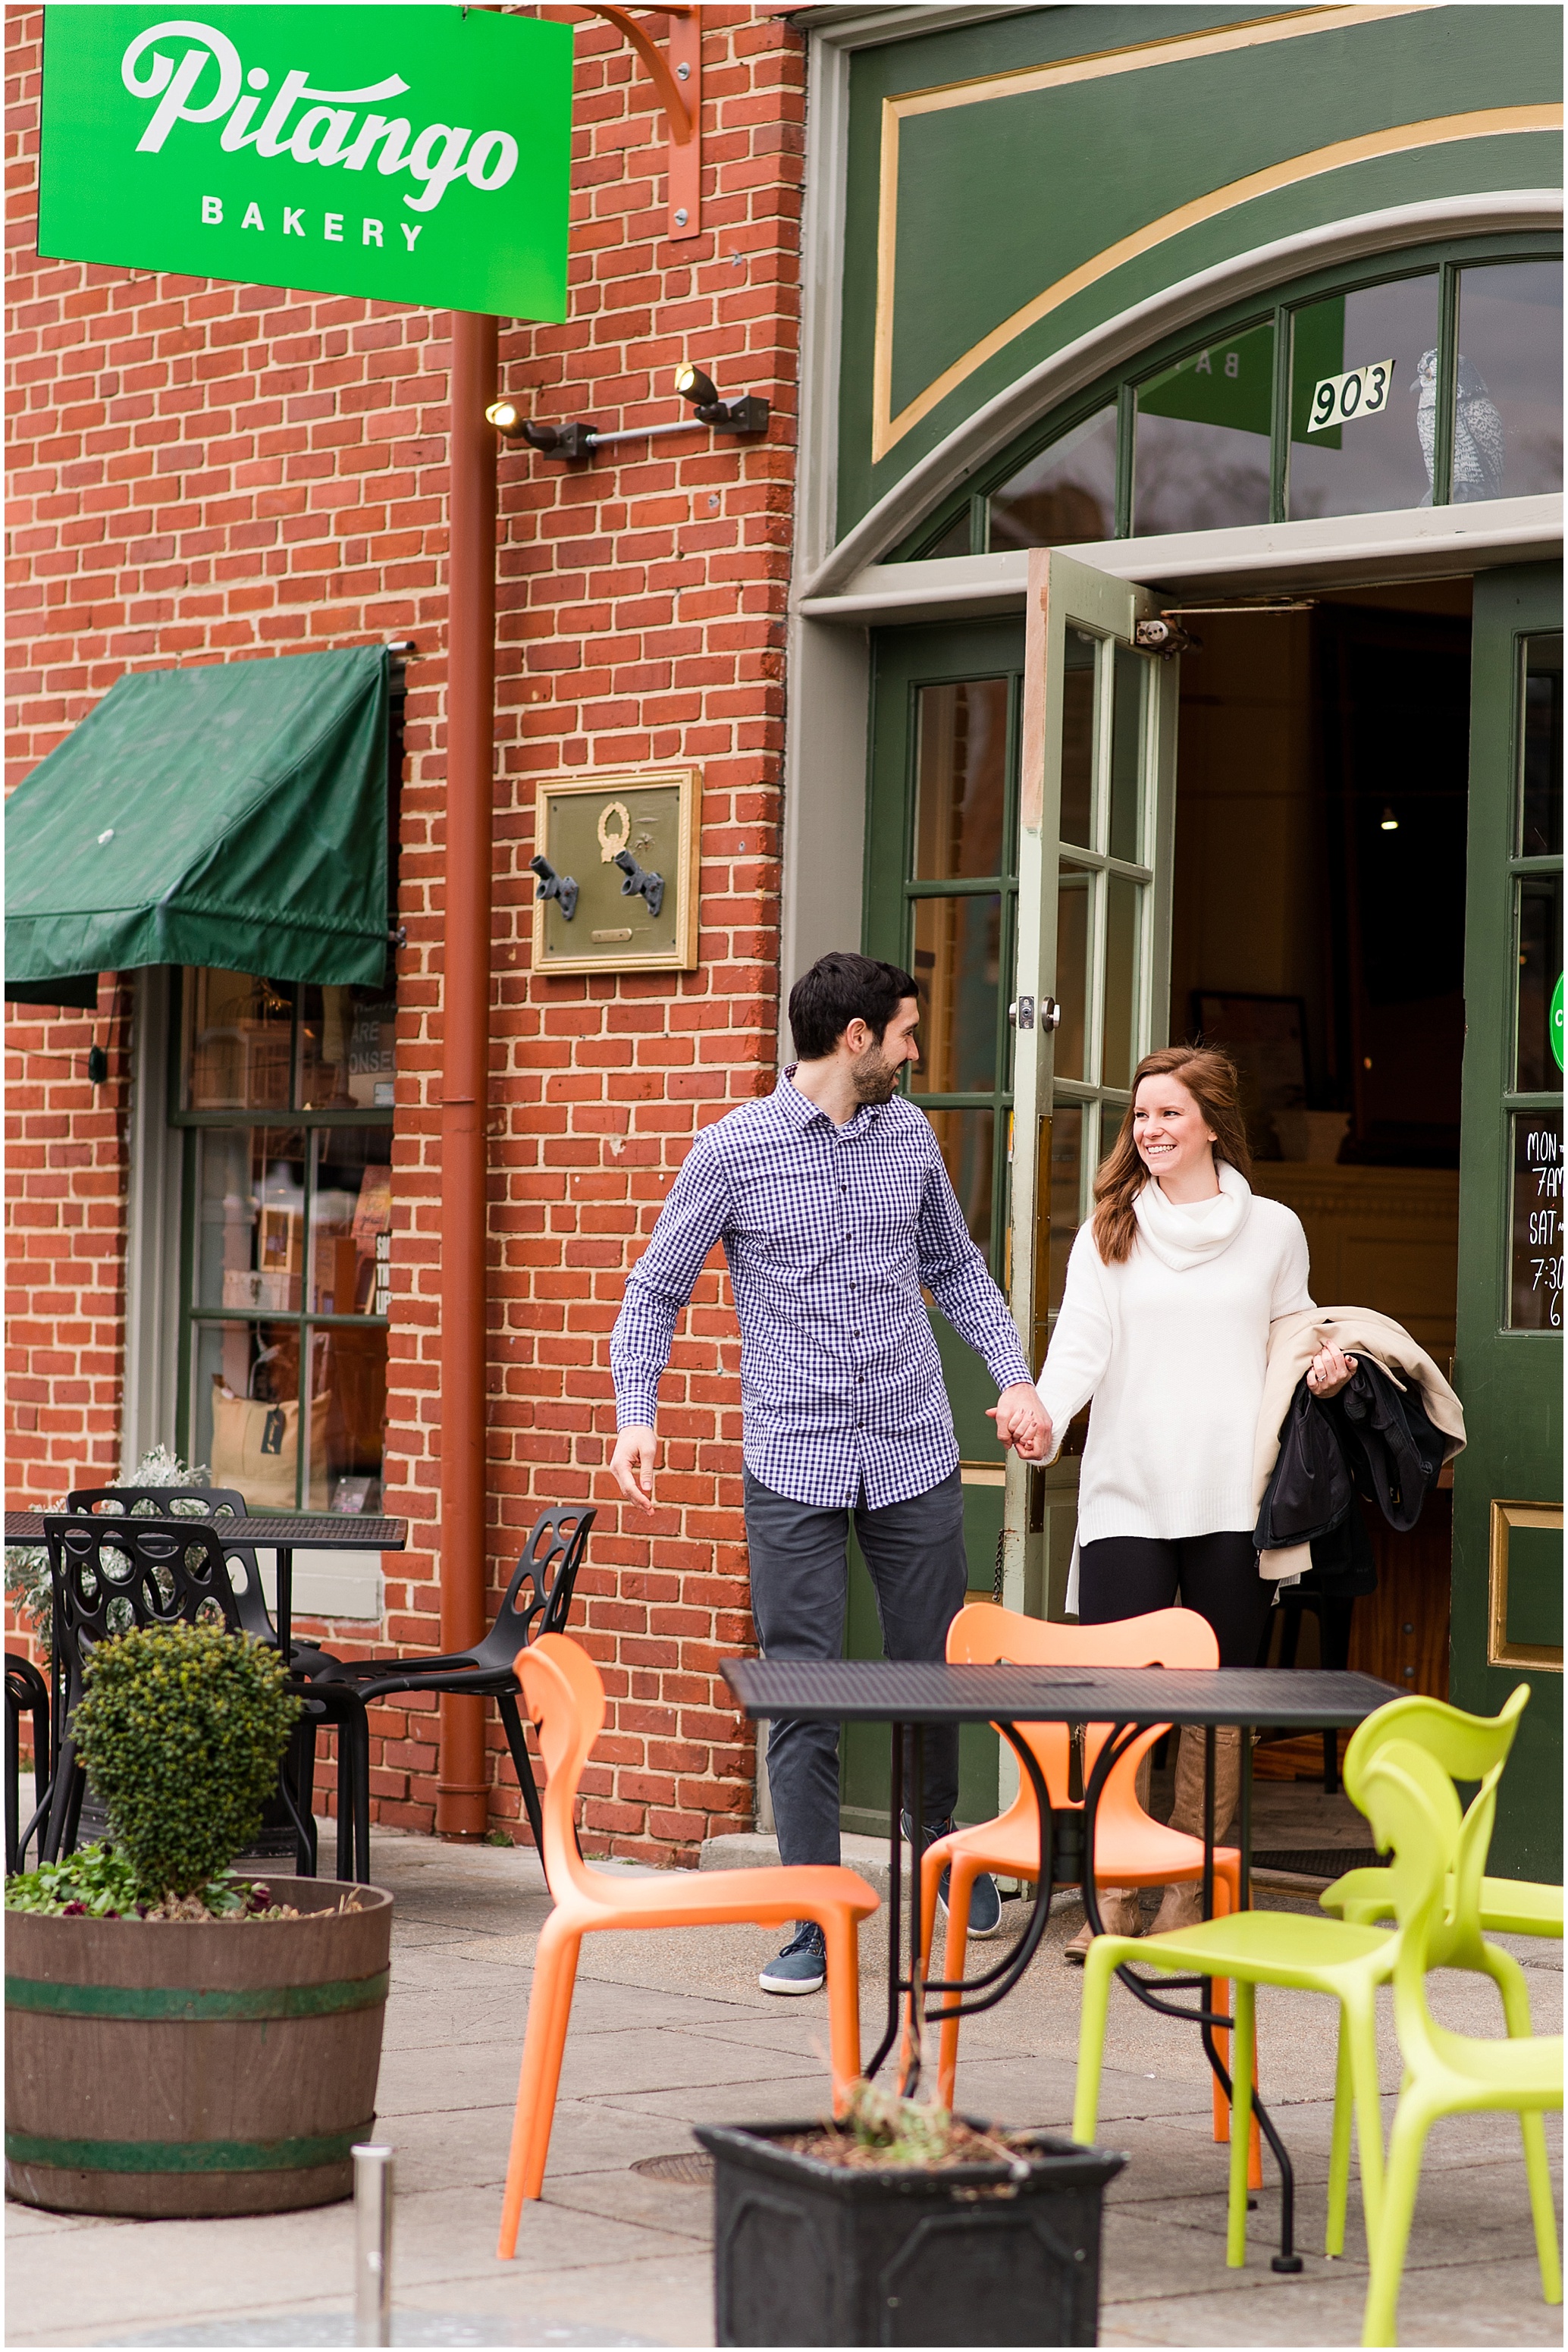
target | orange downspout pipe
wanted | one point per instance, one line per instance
(462, 1787)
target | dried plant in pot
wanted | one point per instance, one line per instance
(180, 2040)
(901, 2223)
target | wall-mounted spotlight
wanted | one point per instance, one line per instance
(1387, 822)
(748, 416)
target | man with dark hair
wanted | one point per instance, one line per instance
(833, 1208)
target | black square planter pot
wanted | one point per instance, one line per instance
(808, 2252)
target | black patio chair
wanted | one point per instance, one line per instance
(110, 1572)
(26, 1692)
(549, 1564)
(339, 1706)
(213, 1503)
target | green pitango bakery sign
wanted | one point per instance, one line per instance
(413, 154)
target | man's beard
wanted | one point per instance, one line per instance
(875, 1081)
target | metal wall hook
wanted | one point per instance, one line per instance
(651, 886)
(559, 886)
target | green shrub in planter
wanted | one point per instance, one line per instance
(183, 1729)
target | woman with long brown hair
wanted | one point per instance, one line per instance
(1171, 1288)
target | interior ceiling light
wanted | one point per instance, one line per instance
(747, 415)
(1387, 822)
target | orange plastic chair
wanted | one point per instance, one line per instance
(1130, 1848)
(563, 1694)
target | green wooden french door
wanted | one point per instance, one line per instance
(1092, 996)
(1508, 1483)
(940, 898)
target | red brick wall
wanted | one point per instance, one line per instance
(204, 471)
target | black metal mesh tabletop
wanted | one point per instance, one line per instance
(305, 1532)
(886, 1690)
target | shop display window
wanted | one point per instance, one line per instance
(1201, 450)
(1508, 401)
(287, 1261)
(1364, 399)
(1064, 496)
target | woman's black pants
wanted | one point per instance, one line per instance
(1126, 1576)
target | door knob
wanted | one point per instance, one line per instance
(1021, 1013)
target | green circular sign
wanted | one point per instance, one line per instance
(1557, 1020)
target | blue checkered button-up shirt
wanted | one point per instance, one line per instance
(830, 1233)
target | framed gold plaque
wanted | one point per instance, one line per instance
(1540, 1519)
(614, 869)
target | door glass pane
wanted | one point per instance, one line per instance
(968, 1141)
(1066, 1190)
(1535, 1287)
(1507, 414)
(347, 1040)
(958, 963)
(350, 1208)
(1375, 449)
(1077, 738)
(238, 1031)
(251, 1220)
(1539, 1068)
(1540, 794)
(1072, 971)
(1064, 494)
(1201, 455)
(1126, 716)
(1119, 1057)
(961, 780)
(247, 1416)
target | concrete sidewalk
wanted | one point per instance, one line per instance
(669, 2029)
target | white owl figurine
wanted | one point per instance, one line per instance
(1478, 441)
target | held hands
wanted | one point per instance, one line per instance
(633, 1463)
(1022, 1421)
(1329, 1372)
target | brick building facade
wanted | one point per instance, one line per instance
(212, 472)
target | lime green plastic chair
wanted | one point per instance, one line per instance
(1508, 1907)
(1410, 1800)
(1328, 1955)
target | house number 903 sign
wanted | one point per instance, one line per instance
(1361, 392)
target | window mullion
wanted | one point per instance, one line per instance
(1279, 429)
(1448, 372)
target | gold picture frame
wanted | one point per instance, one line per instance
(1545, 1657)
(603, 839)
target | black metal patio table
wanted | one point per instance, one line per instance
(911, 1694)
(282, 1533)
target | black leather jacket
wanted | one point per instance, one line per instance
(1373, 1439)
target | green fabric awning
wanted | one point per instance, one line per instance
(232, 816)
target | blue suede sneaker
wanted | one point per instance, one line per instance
(984, 1903)
(801, 1966)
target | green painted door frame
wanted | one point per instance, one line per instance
(907, 662)
(1508, 1557)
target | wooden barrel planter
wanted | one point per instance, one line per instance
(183, 2068)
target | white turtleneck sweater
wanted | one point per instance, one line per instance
(1173, 1346)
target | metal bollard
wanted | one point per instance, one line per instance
(373, 2244)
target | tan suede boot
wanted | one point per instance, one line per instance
(1183, 1906)
(1119, 1913)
